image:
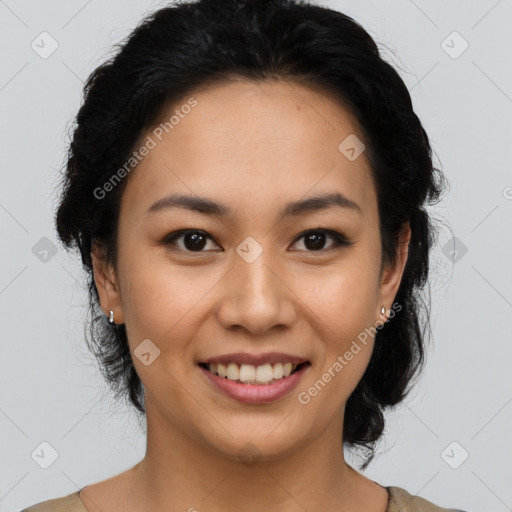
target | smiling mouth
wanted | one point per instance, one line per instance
(254, 375)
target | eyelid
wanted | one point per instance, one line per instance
(339, 239)
(171, 237)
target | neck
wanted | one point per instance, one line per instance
(181, 473)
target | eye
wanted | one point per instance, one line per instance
(314, 239)
(194, 240)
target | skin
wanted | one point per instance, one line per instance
(253, 147)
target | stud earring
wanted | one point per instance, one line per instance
(383, 310)
(111, 319)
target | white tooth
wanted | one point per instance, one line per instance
(278, 371)
(232, 371)
(251, 374)
(247, 372)
(264, 373)
(221, 370)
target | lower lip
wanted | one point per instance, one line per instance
(252, 393)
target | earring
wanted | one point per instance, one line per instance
(383, 310)
(111, 319)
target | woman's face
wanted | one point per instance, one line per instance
(256, 282)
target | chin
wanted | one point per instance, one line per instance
(270, 440)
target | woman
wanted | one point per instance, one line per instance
(246, 185)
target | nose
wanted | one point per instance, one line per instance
(256, 297)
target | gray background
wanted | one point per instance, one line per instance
(51, 390)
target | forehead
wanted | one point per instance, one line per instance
(250, 143)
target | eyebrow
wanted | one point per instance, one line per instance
(209, 207)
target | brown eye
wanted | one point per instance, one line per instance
(193, 240)
(314, 240)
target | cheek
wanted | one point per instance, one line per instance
(343, 300)
(161, 299)
(342, 296)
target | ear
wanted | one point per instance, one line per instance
(392, 275)
(107, 285)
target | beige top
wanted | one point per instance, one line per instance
(399, 501)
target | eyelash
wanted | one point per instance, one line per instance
(338, 239)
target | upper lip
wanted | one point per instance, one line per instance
(255, 359)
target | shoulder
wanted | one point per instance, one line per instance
(402, 501)
(69, 503)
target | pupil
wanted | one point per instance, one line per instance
(195, 242)
(317, 239)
